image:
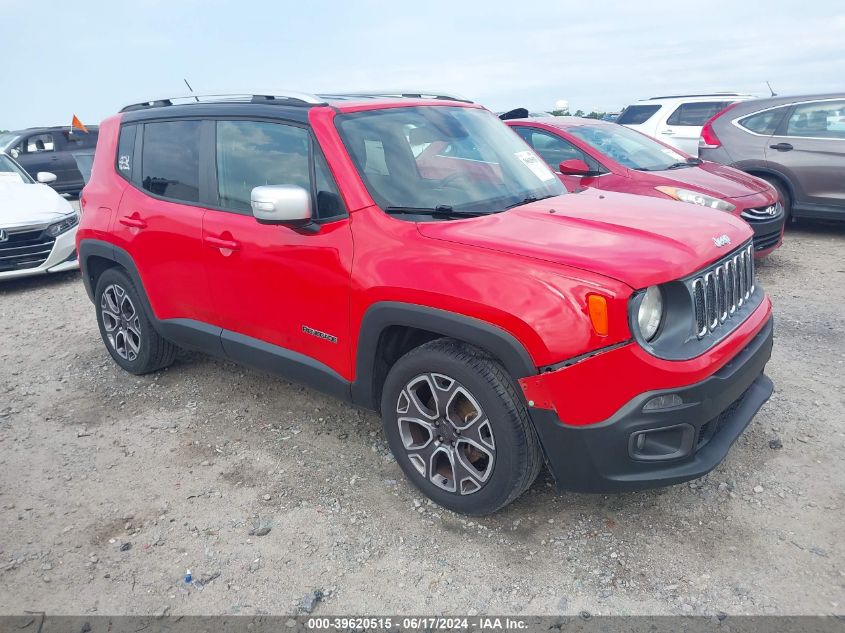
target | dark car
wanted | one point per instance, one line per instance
(57, 150)
(795, 143)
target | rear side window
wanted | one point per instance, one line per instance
(696, 113)
(822, 119)
(763, 122)
(170, 159)
(636, 114)
(126, 151)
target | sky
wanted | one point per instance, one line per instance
(91, 58)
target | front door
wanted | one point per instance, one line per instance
(275, 284)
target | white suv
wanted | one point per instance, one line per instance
(677, 120)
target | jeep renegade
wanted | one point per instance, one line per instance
(412, 255)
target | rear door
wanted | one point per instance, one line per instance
(809, 148)
(77, 155)
(683, 126)
(159, 219)
(272, 283)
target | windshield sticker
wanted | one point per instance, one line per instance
(537, 166)
(10, 176)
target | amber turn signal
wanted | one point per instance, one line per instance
(597, 306)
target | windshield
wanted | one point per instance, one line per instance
(6, 139)
(629, 148)
(9, 169)
(444, 157)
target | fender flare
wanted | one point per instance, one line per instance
(383, 315)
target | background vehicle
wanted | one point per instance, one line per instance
(610, 157)
(478, 302)
(37, 225)
(677, 120)
(796, 143)
(51, 149)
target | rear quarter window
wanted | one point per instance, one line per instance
(764, 122)
(126, 151)
(636, 114)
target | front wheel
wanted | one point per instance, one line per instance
(127, 332)
(458, 429)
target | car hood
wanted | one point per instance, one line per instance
(638, 240)
(24, 203)
(711, 178)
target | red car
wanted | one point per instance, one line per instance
(411, 255)
(611, 157)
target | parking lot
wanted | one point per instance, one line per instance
(123, 483)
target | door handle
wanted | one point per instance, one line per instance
(134, 221)
(54, 158)
(217, 242)
(781, 147)
(667, 132)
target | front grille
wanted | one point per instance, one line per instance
(719, 291)
(767, 240)
(762, 213)
(25, 249)
(711, 428)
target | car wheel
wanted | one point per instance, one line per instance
(458, 429)
(783, 194)
(127, 332)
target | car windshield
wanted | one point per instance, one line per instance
(629, 148)
(455, 159)
(6, 139)
(10, 170)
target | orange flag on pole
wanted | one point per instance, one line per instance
(76, 124)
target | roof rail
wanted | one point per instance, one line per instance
(268, 96)
(708, 94)
(403, 94)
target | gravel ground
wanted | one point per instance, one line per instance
(114, 485)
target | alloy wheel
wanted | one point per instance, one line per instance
(121, 322)
(445, 433)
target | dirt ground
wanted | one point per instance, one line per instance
(112, 486)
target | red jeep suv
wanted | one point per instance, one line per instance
(412, 255)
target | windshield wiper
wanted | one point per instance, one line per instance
(443, 210)
(527, 200)
(689, 162)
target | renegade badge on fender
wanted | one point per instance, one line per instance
(412, 255)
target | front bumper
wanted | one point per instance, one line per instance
(636, 449)
(62, 257)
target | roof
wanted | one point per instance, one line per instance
(770, 102)
(53, 128)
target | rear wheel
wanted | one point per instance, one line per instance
(127, 332)
(458, 429)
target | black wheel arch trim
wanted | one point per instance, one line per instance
(482, 334)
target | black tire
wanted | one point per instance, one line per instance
(515, 457)
(783, 194)
(133, 342)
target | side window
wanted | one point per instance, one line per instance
(329, 202)
(637, 114)
(696, 113)
(39, 143)
(126, 151)
(822, 119)
(553, 149)
(170, 159)
(77, 139)
(255, 153)
(763, 122)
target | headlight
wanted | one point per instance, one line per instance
(650, 312)
(65, 224)
(694, 197)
